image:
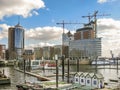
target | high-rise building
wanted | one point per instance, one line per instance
(2, 51)
(15, 41)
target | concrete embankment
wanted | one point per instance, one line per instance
(35, 75)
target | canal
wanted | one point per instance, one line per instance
(109, 72)
(16, 78)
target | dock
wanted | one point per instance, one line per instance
(42, 78)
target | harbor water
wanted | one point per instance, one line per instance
(108, 71)
(16, 78)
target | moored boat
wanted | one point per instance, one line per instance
(4, 79)
(85, 61)
(81, 62)
(2, 62)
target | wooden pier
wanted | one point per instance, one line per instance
(34, 75)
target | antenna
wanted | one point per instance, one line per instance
(18, 20)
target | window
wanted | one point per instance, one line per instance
(82, 80)
(88, 81)
(76, 79)
(94, 82)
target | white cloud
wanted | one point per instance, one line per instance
(40, 44)
(44, 33)
(104, 1)
(109, 30)
(3, 31)
(43, 36)
(24, 8)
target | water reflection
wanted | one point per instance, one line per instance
(109, 72)
(16, 78)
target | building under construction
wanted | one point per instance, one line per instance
(84, 43)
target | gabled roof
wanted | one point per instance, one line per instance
(84, 74)
(87, 74)
(90, 75)
(98, 75)
(78, 73)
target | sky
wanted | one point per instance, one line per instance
(39, 18)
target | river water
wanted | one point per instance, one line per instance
(109, 72)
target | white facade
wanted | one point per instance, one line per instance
(82, 79)
(76, 78)
(89, 79)
(95, 82)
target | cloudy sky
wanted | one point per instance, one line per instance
(39, 18)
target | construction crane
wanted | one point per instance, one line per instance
(89, 17)
(63, 24)
(95, 20)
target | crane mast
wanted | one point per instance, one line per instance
(62, 52)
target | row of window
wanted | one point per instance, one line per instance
(88, 81)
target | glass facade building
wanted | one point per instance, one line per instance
(19, 39)
(16, 42)
(85, 48)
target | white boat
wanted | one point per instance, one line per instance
(36, 64)
(100, 62)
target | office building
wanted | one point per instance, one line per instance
(15, 42)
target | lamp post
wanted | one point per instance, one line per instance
(56, 58)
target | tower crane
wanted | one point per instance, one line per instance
(95, 20)
(63, 25)
(88, 16)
